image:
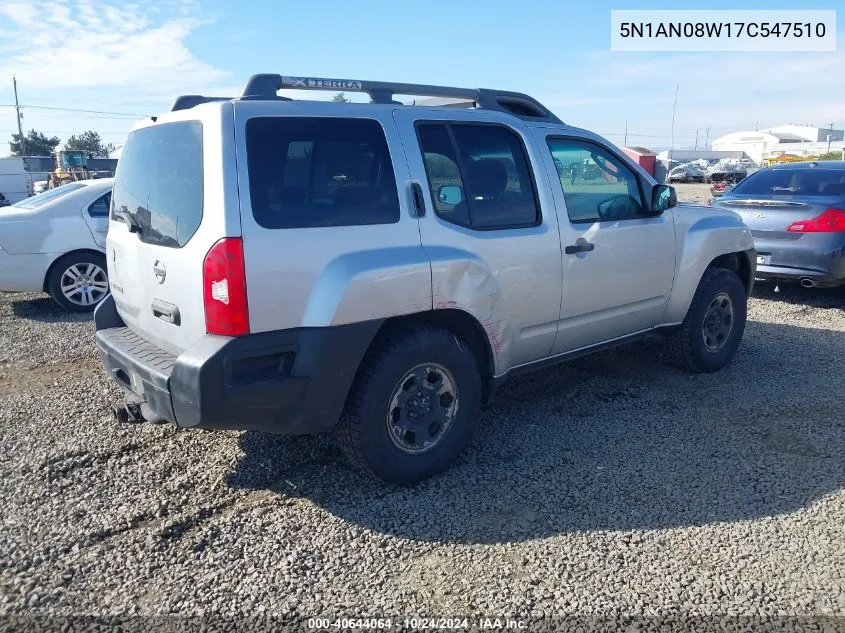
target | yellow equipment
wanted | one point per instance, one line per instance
(71, 166)
(787, 158)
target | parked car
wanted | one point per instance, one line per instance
(54, 242)
(253, 290)
(725, 169)
(722, 183)
(796, 213)
(685, 173)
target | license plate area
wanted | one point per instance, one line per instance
(764, 259)
(130, 380)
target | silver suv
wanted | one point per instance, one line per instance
(379, 269)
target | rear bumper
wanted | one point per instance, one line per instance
(819, 257)
(287, 382)
(23, 272)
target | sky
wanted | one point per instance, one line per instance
(103, 64)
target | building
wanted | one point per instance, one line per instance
(643, 156)
(799, 140)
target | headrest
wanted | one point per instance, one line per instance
(488, 178)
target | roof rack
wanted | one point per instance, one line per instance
(265, 86)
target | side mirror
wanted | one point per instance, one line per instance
(663, 197)
(450, 194)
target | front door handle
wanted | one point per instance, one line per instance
(581, 247)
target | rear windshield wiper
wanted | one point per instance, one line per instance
(130, 219)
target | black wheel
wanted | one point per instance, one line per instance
(413, 406)
(78, 281)
(714, 324)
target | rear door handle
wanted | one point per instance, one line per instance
(166, 312)
(581, 247)
(419, 201)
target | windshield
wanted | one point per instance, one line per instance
(794, 182)
(41, 199)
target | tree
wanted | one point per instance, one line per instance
(340, 97)
(91, 143)
(35, 144)
(831, 156)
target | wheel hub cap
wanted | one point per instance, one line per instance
(422, 408)
(84, 284)
(718, 322)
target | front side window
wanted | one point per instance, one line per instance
(478, 175)
(597, 186)
(319, 172)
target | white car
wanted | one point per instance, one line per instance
(55, 242)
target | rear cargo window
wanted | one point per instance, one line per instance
(159, 183)
(310, 172)
(805, 181)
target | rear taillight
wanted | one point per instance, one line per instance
(831, 221)
(224, 289)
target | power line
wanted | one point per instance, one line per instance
(57, 109)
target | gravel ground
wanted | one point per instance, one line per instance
(612, 485)
(693, 192)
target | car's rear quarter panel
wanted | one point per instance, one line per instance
(329, 276)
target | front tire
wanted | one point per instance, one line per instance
(715, 322)
(79, 281)
(413, 406)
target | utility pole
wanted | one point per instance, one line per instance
(756, 126)
(706, 135)
(18, 110)
(625, 142)
(672, 138)
(829, 137)
(695, 149)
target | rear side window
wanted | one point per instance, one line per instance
(100, 207)
(478, 175)
(159, 182)
(318, 172)
(810, 181)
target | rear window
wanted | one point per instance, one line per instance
(39, 200)
(159, 182)
(312, 172)
(793, 182)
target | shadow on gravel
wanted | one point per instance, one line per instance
(48, 311)
(795, 293)
(617, 441)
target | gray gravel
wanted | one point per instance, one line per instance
(613, 485)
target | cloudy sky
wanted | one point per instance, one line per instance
(93, 64)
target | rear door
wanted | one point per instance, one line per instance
(490, 227)
(96, 216)
(176, 184)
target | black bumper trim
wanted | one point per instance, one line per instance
(287, 382)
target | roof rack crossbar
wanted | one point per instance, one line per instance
(265, 86)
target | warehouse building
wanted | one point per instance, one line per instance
(798, 140)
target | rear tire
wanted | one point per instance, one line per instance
(413, 406)
(713, 327)
(79, 281)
